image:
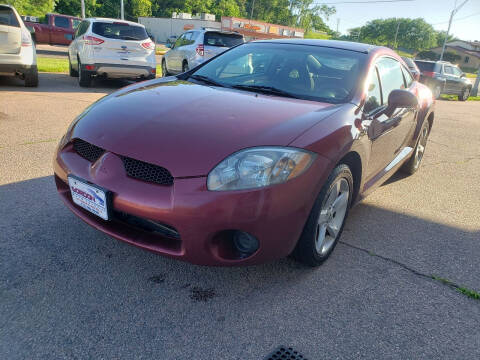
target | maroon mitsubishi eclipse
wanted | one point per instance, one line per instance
(252, 156)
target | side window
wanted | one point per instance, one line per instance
(448, 70)
(187, 39)
(179, 41)
(457, 71)
(61, 22)
(75, 23)
(408, 77)
(82, 28)
(7, 17)
(374, 94)
(391, 76)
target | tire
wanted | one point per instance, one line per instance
(437, 91)
(84, 77)
(413, 164)
(185, 66)
(164, 69)
(72, 72)
(326, 218)
(464, 95)
(31, 78)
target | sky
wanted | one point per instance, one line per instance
(465, 25)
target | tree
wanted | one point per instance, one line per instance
(73, 7)
(33, 7)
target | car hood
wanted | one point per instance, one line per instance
(188, 128)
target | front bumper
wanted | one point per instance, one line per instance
(274, 215)
(117, 71)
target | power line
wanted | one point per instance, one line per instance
(462, 18)
(360, 2)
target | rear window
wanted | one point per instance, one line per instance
(121, 31)
(223, 40)
(7, 17)
(425, 66)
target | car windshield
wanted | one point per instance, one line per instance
(223, 40)
(119, 30)
(300, 71)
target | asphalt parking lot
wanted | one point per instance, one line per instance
(68, 291)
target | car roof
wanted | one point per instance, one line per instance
(336, 44)
(433, 61)
(110, 20)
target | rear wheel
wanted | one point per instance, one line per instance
(72, 72)
(327, 218)
(464, 95)
(84, 77)
(185, 66)
(412, 165)
(31, 78)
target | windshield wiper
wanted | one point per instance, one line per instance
(206, 79)
(266, 90)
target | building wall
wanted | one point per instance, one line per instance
(163, 28)
(473, 61)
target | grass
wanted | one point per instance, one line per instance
(404, 54)
(461, 289)
(312, 35)
(455, 97)
(471, 75)
(46, 64)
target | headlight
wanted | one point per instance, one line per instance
(259, 167)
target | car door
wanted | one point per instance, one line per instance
(459, 83)
(61, 26)
(389, 134)
(451, 82)
(173, 57)
(185, 50)
(75, 45)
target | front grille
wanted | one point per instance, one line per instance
(147, 225)
(135, 168)
(285, 353)
(147, 172)
(86, 150)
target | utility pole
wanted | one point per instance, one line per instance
(454, 11)
(83, 9)
(396, 34)
(251, 10)
(122, 15)
(338, 24)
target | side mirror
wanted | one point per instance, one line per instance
(400, 99)
(463, 75)
(168, 45)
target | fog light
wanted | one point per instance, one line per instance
(245, 243)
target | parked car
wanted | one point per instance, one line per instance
(17, 51)
(444, 78)
(412, 67)
(243, 161)
(55, 29)
(195, 46)
(111, 48)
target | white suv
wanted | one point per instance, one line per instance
(17, 51)
(111, 48)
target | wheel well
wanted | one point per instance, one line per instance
(354, 162)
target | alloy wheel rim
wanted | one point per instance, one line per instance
(332, 216)
(422, 143)
(465, 94)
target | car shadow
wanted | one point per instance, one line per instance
(59, 82)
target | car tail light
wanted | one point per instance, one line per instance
(26, 38)
(429, 73)
(149, 45)
(200, 50)
(92, 40)
(89, 67)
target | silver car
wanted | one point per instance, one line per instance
(17, 51)
(194, 47)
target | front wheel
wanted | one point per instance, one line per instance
(412, 165)
(164, 69)
(437, 91)
(72, 72)
(327, 218)
(464, 95)
(185, 67)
